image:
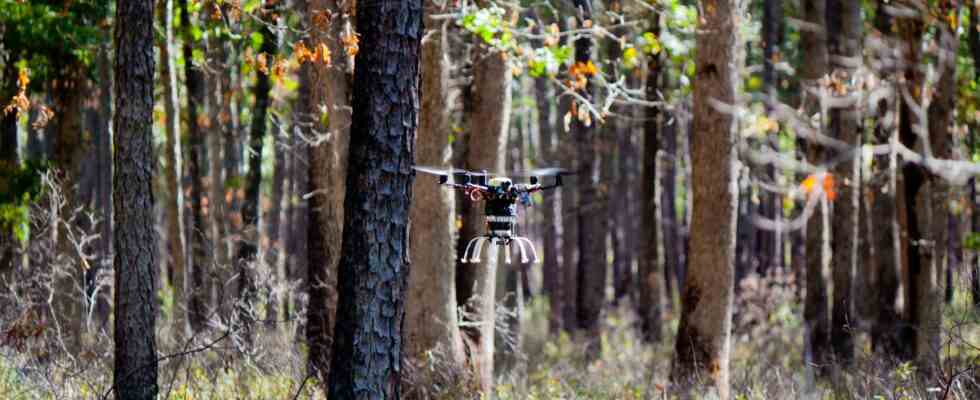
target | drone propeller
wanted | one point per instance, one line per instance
(551, 171)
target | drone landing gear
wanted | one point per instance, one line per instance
(475, 247)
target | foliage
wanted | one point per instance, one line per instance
(20, 185)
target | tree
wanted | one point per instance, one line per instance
(248, 248)
(885, 329)
(973, 37)
(844, 35)
(135, 373)
(329, 121)
(816, 309)
(489, 121)
(197, 303)
(174, 170)
(374, 252)
(430, 307)
(650, 276)
(592, 220)
(706, 315)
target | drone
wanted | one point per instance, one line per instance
(501, 196)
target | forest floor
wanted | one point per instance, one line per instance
(766, 361)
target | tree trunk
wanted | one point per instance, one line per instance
(486, 143)
(706, 317)
(135, 373)
(670, 227)
(816, 311)
(248, 248)
(974, 41)
(650, 276)
(198, 303)
(70, 146)
(591, 214)
(374, 254)
(330, 122)
(9, 247)
(274, 253)
(613, 133)
(430, 305)
(550, 273)
(882, 185)
(173, 171)
(772, 40)
(932, 205)
(844, 35)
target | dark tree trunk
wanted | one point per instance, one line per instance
(974, 41)
(198, 303)
(650, 276)
(275, 216)
(248, 248)
(816, 311)
(702, 346)
(8, 161)
(592, 219)
(551, 275)
(374, 253)
(135, 373)
(614, 132)
(844, 28)
(885, 328)
(669, 224)
(772, 39)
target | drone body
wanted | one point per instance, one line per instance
(500, 196)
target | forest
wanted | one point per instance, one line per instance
(489, 199)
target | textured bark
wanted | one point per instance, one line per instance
(706, 316)
(486, 143)
(215, 112)
(669, 224)
(198, 303)
(248, 248)
(816, 311)
(650, 276)
(329, 93)
(135, 373)
(883, 188)
(430, 306)
(374, 254)
(844, 27)
(591, 215)
(173, 171)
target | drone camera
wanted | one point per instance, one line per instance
(534, 180)
(443, 179)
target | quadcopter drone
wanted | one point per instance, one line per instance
(501, 197)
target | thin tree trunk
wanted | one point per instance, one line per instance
(882, 185)
(669, 225)
(613, 133)
(772, 38)
(69, 149)
(706, 317)
(974, 41)
(374, 254)
(591, 214)
(816, 311)
(844, 29)
(650, 276)
(550, 273)
(198, 303)
(173, 172)
(135, 372)
(430, 305)
(330, 122)
(274, 254)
